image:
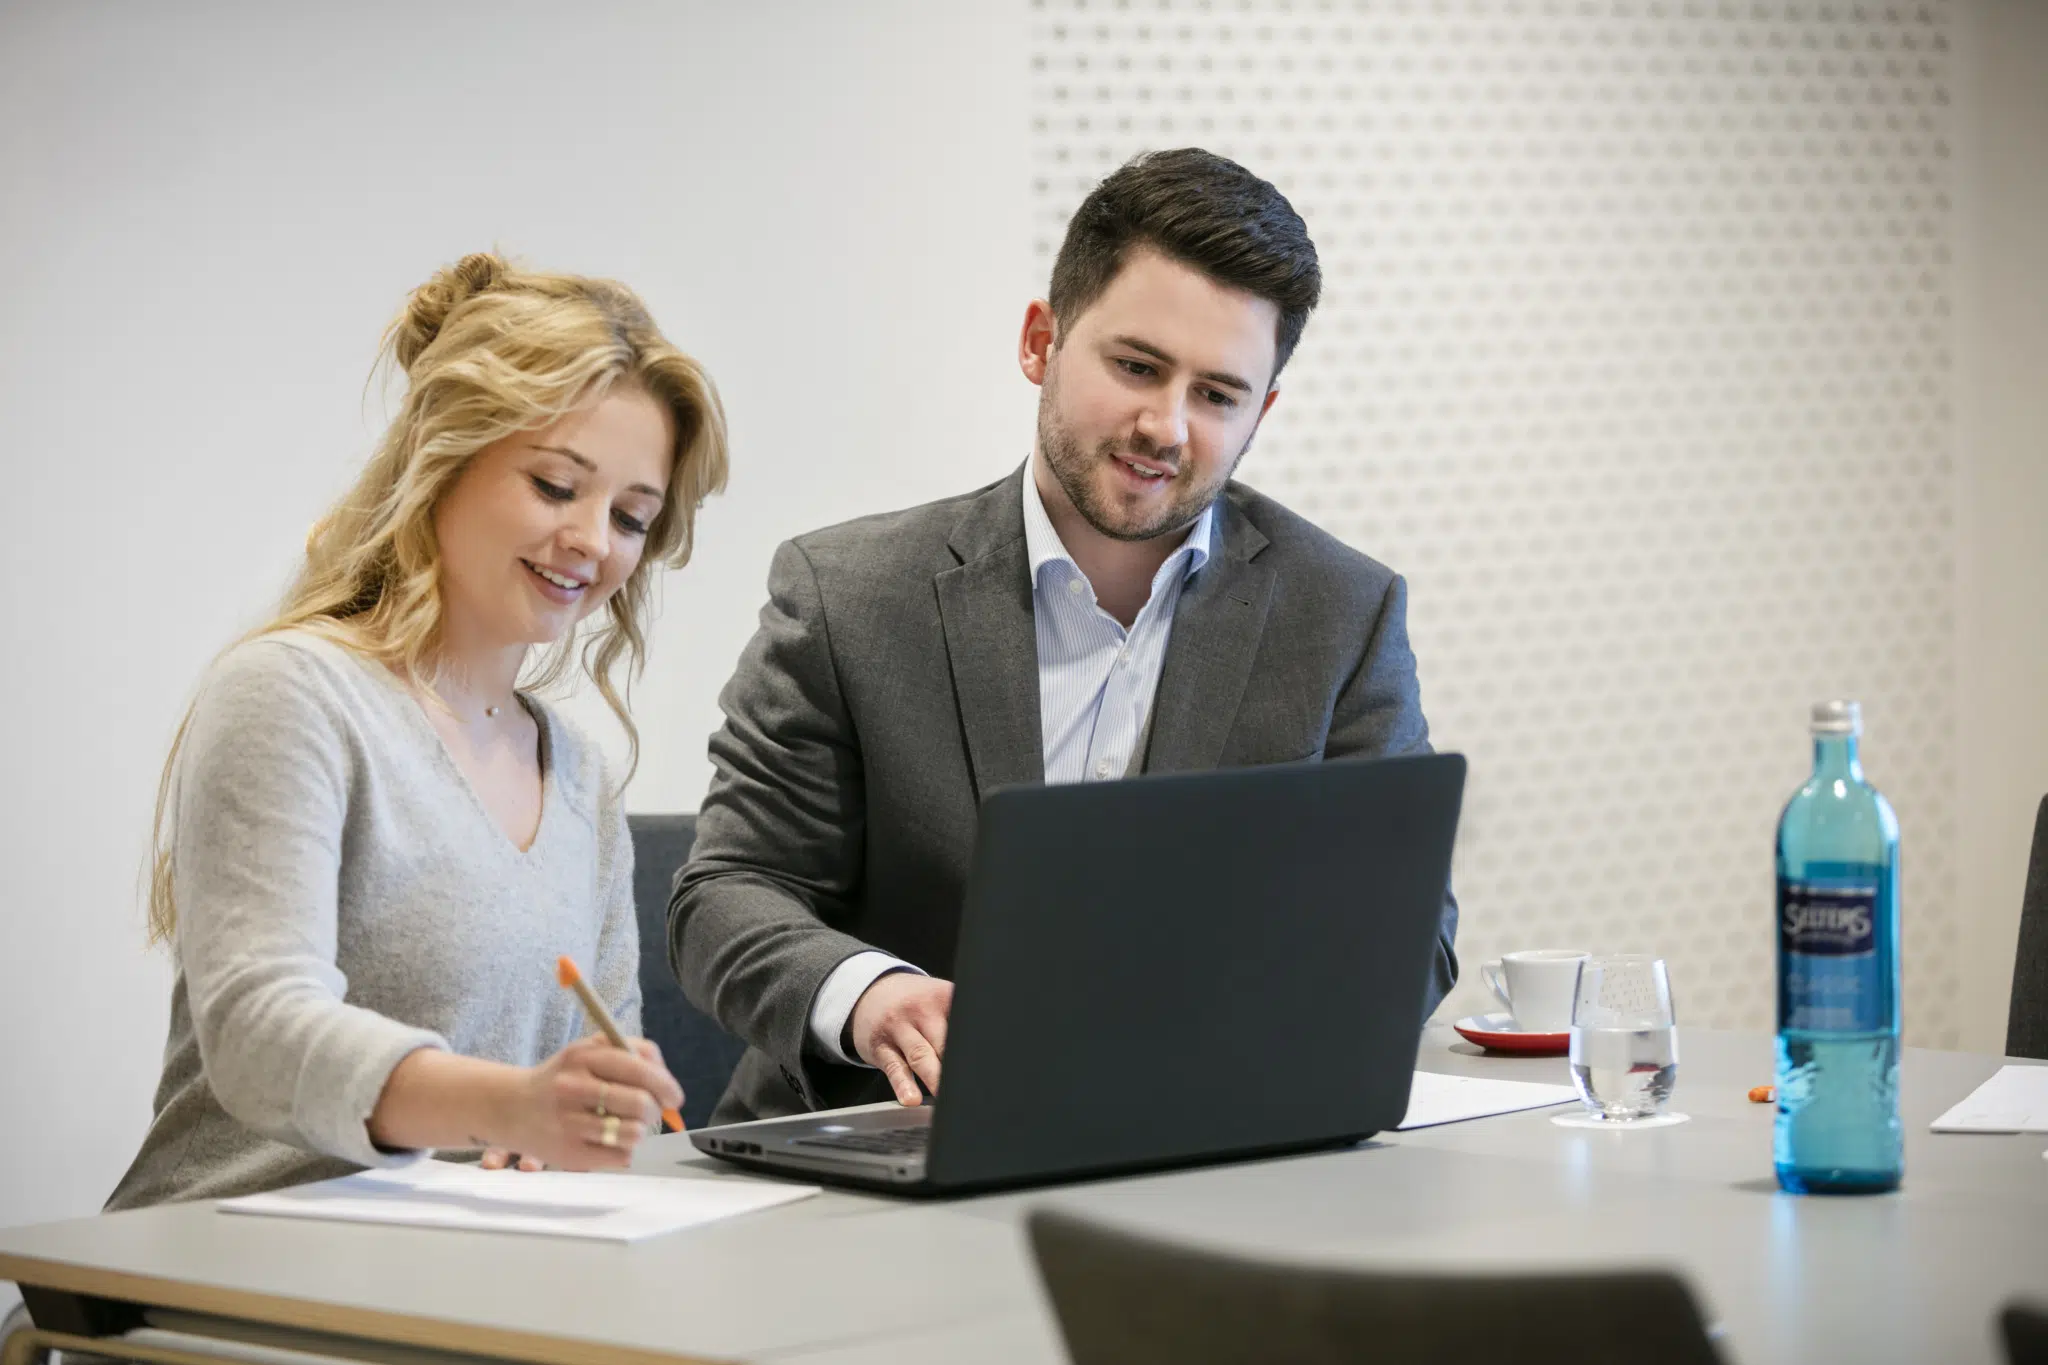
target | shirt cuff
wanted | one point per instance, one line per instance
(841, 992)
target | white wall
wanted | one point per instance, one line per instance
(1644, 354)
(2002, 513)
(209, 212)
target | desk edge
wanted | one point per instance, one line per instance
(437, 1334)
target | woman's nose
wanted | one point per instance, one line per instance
(589, 535)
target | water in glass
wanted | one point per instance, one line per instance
(1624, 1040)
(1625, 1073)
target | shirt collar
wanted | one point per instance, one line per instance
(1045, 547)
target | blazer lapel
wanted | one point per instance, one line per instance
(1216, 630)
(992, 639)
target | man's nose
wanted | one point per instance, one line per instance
(1165, 422)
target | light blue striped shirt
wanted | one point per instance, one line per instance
(1096, 682)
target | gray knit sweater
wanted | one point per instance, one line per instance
(343, 899)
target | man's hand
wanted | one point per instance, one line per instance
(899, 1025)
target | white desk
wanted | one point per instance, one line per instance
(846, 1279)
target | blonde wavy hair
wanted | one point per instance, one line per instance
(488, 349)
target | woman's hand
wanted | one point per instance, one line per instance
(497, 1159)
(585, 1108)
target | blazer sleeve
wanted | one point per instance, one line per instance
(779, 837)
(1379, 715)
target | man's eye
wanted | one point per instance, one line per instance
(1221, 399)
(553, 492)
(632, 526)
(1136, 367)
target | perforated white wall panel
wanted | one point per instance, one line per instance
(1634, 356)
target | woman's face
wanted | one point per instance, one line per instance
(543, 526)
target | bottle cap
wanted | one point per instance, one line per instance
(1837, 718)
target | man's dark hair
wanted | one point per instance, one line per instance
(1200, 209)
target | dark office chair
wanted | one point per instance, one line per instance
(2025, 1326)
(699, 1053)
(2026, 1023)
(1122, 1297)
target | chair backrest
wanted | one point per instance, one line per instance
(2024, 1326)
(1122, 1297)
(2026, 1021)
(699, 1053)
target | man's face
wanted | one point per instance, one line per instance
(1152, 395)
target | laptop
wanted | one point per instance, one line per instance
(1161, 971)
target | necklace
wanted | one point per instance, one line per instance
(490, 712)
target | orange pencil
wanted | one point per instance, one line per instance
(566, 973)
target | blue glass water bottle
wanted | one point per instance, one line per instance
(1838, 974)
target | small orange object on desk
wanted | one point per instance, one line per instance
(1762, 1094)
(566, 973)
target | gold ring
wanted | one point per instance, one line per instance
(602, 1086)
(610, 1136)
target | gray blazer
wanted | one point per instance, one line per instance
(894, 681)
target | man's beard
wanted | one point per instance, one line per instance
(1078, 469)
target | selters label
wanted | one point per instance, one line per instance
(1827, 941)
(1827, 921)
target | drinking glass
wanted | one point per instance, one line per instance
(1624, 1043)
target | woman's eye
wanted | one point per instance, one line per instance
(631, 525)
(553, 492)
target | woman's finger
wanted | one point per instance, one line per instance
(604, 1098)
(628, 1068)
(612, 1133)
(497, 1159)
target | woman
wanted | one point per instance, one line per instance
(372, 843)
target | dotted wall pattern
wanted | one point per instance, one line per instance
(1634, 356)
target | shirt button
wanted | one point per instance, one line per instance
(1123, 658)
(1102, 768)
(1074, 586)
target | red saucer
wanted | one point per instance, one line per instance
(1497, 1033)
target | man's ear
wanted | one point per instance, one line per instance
(1272, 394)
(1035, 343)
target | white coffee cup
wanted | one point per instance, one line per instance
(1536, 986)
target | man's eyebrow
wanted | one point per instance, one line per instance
(1227, 380)
(585, 461)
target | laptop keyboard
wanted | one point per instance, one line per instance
(877, 1142)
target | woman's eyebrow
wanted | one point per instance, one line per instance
(564, 450)
(585, 461)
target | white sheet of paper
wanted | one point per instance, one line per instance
(1436, 1098)
(599, 1206)
(2014, 1100)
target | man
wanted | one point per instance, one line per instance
(1117, 605)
